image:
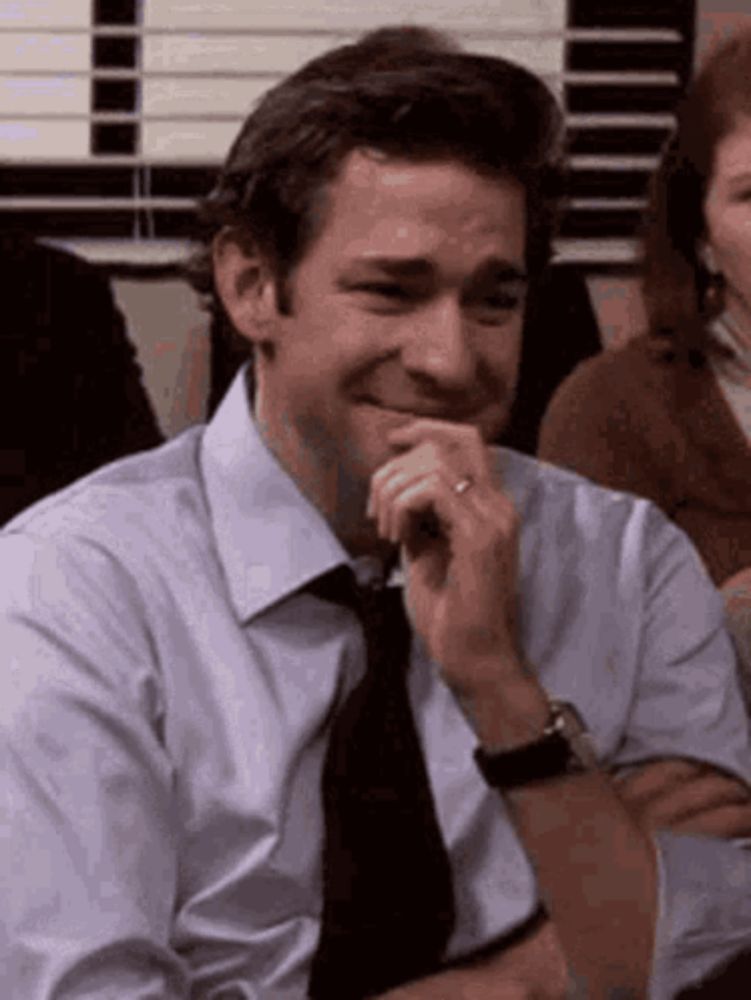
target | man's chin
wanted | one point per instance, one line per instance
(382, 417)
(354, 529)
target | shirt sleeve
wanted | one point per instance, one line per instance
(704, 893)
(89, 867)
(688, 703)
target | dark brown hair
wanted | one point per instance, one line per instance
(677, 285)
(402, 91)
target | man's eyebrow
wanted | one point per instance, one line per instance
(500, 271)
(495, 269)
(741, 178)
(395, 267)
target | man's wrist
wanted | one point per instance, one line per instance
(563, 749)
(507, 712)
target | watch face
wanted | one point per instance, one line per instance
(563, 748)
(572, 728)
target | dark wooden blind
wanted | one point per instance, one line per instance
(626, 65)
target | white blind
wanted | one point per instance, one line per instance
(114, 114)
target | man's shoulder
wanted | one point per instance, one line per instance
(536, 484)
(123, 502)
(573, 517)
(110, 554)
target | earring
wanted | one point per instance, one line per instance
(708, 259)
(714, 283)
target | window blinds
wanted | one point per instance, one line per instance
(114, 114)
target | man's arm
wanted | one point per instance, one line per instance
(675, 794)
(461, 593)
(596, 864)
(88, 863)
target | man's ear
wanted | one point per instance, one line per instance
(245, 284)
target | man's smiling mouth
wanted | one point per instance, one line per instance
(423, 411)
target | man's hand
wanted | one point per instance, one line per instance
(460, 550)
(459, 547)
(460, 554)
(687, 797)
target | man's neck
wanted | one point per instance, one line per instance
(341, 501)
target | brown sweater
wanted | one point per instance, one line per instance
(658, 428)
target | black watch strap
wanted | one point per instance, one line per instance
(546, 758)
(562, 749)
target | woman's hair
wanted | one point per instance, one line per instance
(400, 91)
(678, 288)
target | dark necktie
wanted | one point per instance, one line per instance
(388, 907)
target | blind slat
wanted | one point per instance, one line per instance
(275, 58)
(613, 162)
(136, 203)
(47, 14)
(24, 96)
(21, 51)
(33, 140)
(352, 15)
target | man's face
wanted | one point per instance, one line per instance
(407, 304)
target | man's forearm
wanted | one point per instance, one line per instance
(599, 943)
(663, 794)
(594, 863)
(597, 875)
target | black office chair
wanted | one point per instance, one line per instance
(71, 396)
(560, 330)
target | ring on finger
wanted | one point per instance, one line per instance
(462, 485)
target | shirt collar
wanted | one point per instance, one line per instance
(271, 539)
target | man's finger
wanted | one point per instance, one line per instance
(725, 822)
(657, 777)
(695, 797)
(701, 795)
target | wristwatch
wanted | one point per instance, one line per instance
(565, 747)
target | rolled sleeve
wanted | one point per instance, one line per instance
(689, 704)
(704, 893)
(688, 700)
(89, 860)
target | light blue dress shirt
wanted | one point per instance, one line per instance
(166, 691)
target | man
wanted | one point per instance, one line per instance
(177, 662)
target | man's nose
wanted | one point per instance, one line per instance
(438, 346)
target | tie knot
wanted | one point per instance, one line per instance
(341, 586)
(379, 608)
(338, 586)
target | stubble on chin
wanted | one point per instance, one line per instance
(334, 477)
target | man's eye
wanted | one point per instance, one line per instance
(494, 309)
(384, 289)
(501, 302)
